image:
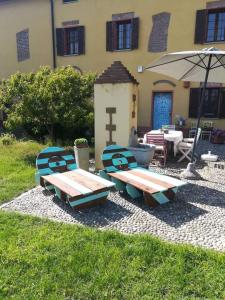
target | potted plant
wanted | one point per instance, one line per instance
(218, 136)
(81, 150)
(143, 153)
(180, 122)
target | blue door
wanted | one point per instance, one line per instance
(162, 109)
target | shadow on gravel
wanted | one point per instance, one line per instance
(97, 216)
(178, 213)
(174, 214)
(183, 209)
(203, 195)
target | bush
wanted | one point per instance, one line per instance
(81, 143)
(7, 139)
(49, 102)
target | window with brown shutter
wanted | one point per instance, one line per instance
(210, 26)
(81, 40)
(70, 41)
(211, 103)
(222, 104)
(60, 41)
(194, 101)
(122, 35)
(109, 34)
(200, 27)
(216, 26)
(214, 103)
(135, 33)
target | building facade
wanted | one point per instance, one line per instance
(91, 34)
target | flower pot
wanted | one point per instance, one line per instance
(143, 154)
(82, 157)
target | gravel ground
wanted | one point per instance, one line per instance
(197, 216)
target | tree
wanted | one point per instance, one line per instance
(48, 98)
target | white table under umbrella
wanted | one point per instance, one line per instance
(207, 65)
(174, 136)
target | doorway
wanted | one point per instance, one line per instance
(162, 109)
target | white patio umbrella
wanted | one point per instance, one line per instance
(207, 65)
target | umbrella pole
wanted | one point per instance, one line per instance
(201, 108)
(190, 171)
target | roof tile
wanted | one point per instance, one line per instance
(116, 73)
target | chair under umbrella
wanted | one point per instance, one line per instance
(207, 65)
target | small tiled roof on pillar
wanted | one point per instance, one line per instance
(116, 73)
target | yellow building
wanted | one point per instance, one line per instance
(91, 34)
(25, 35)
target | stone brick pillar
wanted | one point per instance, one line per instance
(116, 102)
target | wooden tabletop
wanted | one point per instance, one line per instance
(147, 181)
(78, 182)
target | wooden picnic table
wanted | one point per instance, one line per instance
(157, 188)
(122, 169)
(79, 188)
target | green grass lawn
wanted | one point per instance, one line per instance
(40, 259)
(44, 260)
(17, 167)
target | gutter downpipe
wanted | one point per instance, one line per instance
(53, 33)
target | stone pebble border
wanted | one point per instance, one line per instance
(196, 217)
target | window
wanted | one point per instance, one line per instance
(122, 35)
(210, 26)
(70, 41)
(211, 103)
(216, 27)
(214, 103)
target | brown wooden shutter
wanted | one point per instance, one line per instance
(135, 33)
(109, 36)
(114, 35)
(201, 26)
(60, 38)
(194, 102)
(222, 104)
(81, 38)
